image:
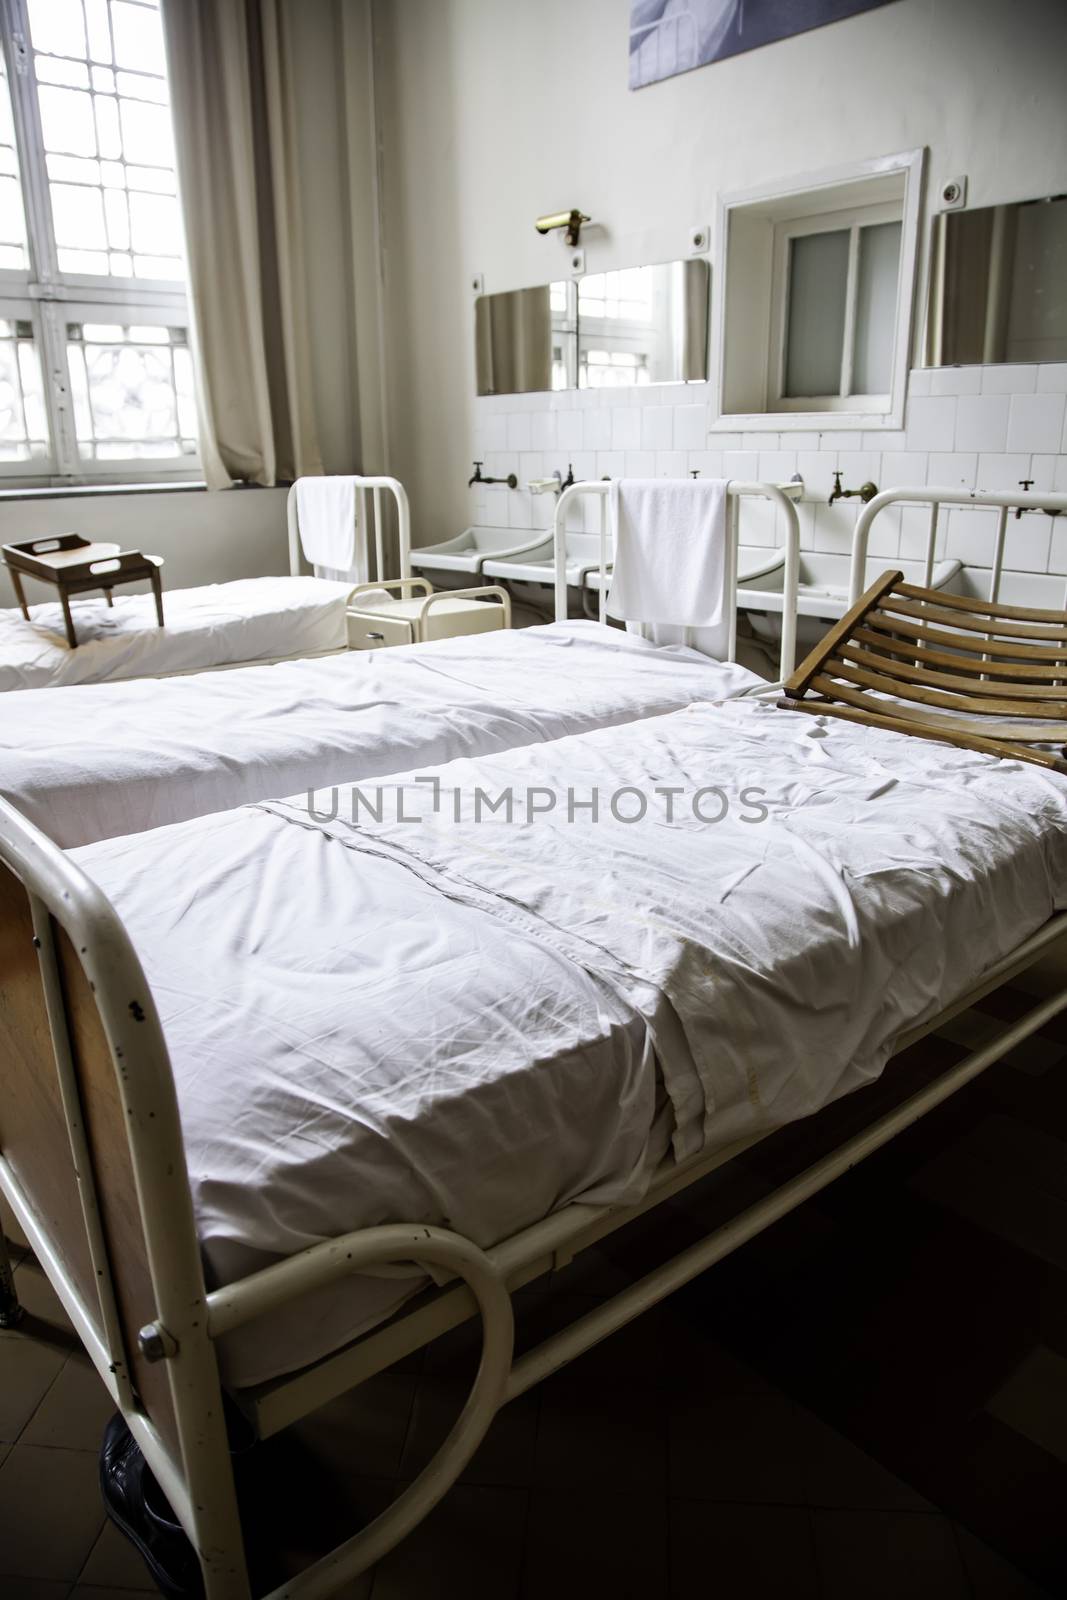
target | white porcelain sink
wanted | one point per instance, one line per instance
(471, 549)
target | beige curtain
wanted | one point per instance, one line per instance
(233, 100)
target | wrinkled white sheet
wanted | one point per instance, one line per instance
(450, 1023)
(95, 762)
(252, 619)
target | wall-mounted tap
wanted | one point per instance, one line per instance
(511, 480)
(865, 492)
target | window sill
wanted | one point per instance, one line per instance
(77, 491)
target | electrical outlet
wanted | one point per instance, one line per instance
(699, 239)
(478, 283)
(576, 263)
(954, 193)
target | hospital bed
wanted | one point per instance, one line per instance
(93, 762)
(626, 1006)
(216, 625)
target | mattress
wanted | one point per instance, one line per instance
(470, 1023)
(95, 762)
(253, 619)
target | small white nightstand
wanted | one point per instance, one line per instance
(376, 620)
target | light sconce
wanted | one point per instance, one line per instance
(571, 220)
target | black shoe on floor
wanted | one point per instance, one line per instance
(135, 1504)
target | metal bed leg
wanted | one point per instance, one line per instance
(10, 1309)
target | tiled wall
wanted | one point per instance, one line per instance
(975, 427)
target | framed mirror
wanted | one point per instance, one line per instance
(635, 325)
(998, 284)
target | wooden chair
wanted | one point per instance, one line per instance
(928, 649)
(74, 565)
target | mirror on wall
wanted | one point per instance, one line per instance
(635, 325)
(998, 284)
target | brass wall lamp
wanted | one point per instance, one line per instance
(571, 220)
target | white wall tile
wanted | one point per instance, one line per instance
(707, 462)
(757, 524)
(597, 431)
(690, 427)
(520, 430)
(1030, 589)
(971, 536)
(543, 430)
(494, 432)
(915, 534)
(883, 443)
(760, 441)
(610, 463)
(719, 439)
(1057, 561)
(931, 422)
(740, 464)
(919, 380)
(625, 428)
(1043, 471)
(982, 422)
(531, 465)
(777, 466)
(1015, 379)
(657, 428)
(956, 380)
(1036, 421)
(816, 467)
(1027, 542)
(883, 543)
(834, 527)
(584, 464)
(803, 441)
(858, 466)
(953, 471)
(671, 464)
(1002, 471)
(841, 439)
(1052, 378)
(640, 464)
(904, 469)
(570, 430)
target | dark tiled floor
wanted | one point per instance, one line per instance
(747, 1440)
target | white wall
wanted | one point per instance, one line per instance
(495, 111)
(203, 538)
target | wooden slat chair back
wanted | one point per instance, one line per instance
(1001, 669)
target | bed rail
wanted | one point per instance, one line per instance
(368, 492)
(1002, 500)
(778, 494)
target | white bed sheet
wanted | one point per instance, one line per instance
(251, 619)
(451, 1024)
(95, 762)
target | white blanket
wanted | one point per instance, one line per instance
(449, 1023)
(253, 619)
(91, 763)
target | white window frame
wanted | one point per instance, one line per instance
(821, 200)
(50, 299)
(852, 222)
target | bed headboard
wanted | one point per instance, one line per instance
(368, 493)
(736, 495)
(1004, 501)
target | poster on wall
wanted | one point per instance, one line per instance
(672, 36)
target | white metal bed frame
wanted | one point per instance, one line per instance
(780, 495)
(84, 959)
(1003, 500)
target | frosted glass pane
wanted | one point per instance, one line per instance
(146, 132)
(138, 36)
(78, 214)
(67, 120)
(12, 223)
(155, 224)
(55, 69)
(58, 26)
(876, 308)
(815, 326)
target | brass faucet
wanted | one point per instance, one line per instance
(866, 491)
(511, 480)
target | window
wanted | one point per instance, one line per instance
(834, 308)
(813, 308)
(96, 380)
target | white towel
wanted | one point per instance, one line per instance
(326, 522)
(670, 558)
